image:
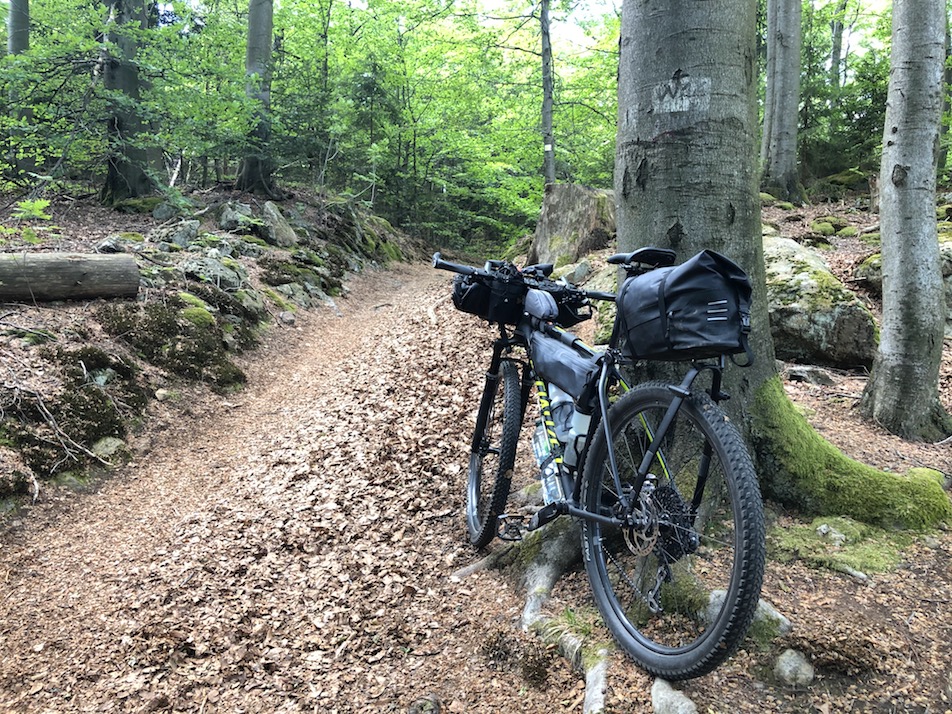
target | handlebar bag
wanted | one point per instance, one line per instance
(497, 298)
(697, 310)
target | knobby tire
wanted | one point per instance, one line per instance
(493, 454)
(677, 592)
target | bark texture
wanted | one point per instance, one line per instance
(685, 168)
(18, 27)
(66, 276)
(903, 386)
(548, 90)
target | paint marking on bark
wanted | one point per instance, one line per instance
(682, 93)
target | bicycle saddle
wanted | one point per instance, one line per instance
(655, 257)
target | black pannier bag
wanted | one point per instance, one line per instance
(697, 310)
(497, 299)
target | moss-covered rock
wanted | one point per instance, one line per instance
(164, 336)
(814, 318)
(850, 178)
(801, 469)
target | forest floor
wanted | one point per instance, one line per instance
(291, 547)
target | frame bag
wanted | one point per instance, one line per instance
(697, 310)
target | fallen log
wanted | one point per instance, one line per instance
(67, 276)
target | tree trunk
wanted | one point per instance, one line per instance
(26, 277)
(18, 27)
(685, 174)
(782, 102)
(548, 138)
(18, 41)
(836, 52)
(685, 178)
(257, 166)
(129, 161)
(904, 382)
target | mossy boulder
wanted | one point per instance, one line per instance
(173, 337)
(276, 229)
(230, 276)
(850, 178)
(237, 217)
(869, 274)
(180, 235)
(801, 469)
(840, 543)
(814, 318)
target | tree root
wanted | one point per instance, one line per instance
(538, 562)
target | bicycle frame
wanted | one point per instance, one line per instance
(610, 375)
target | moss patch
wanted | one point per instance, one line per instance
(839, 543)
(163, 336)
(801, 469)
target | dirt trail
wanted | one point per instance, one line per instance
(287, 548)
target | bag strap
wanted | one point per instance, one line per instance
(744, 331)
(620, 324)
(663, 307)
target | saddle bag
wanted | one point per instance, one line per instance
(697, 310)
(497, 299)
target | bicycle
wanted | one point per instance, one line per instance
(671, 515)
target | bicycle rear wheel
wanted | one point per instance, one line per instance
(679, 585)
(493, 454)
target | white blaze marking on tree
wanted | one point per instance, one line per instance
(682, 94)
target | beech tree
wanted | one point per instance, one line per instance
(902, 393)
(129, 160)
(685, 165)
(685, 179)
(778, 153)
(257, 166)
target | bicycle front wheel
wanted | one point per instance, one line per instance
(493, 453)
(679, 583)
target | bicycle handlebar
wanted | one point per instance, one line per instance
(531, 280)
(441, 264)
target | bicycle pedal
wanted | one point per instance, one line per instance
(509, 528)
(544, 515)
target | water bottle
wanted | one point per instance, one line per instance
(551, 480)
(578, 432)
(561, 407)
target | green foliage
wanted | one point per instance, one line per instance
(32, 210)
(841, 124)
(425, 111)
